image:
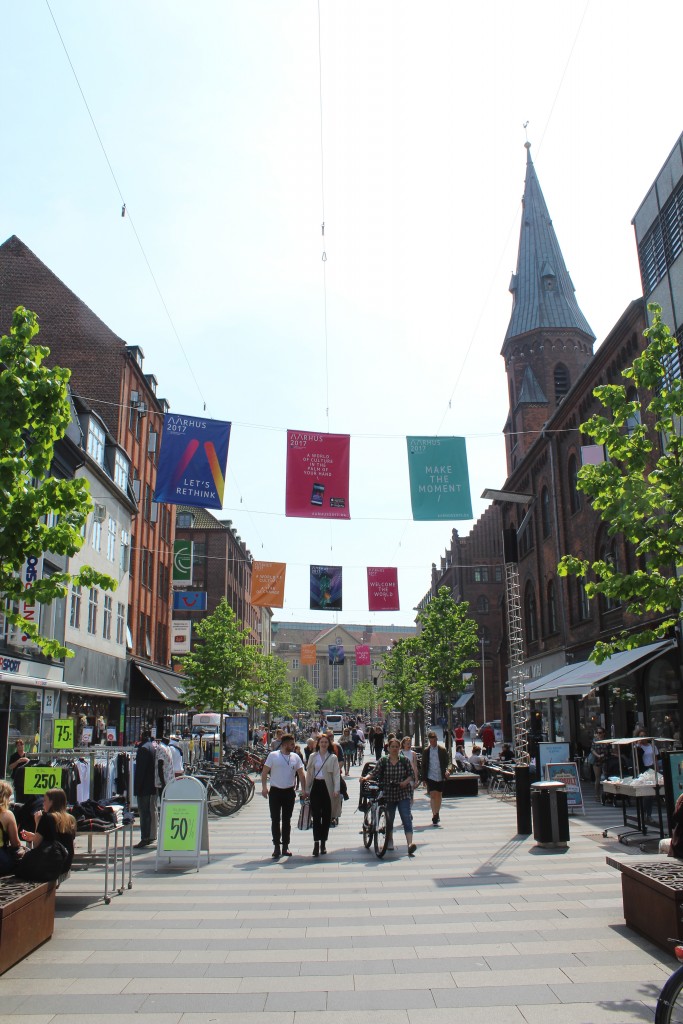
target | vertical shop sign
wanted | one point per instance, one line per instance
(182, 563)
(383, 589)
(181, 636)
(192, 461)
(439, 480)
(317, 475)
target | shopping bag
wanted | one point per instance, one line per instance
(305, 822)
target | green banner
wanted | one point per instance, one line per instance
(63, 738)
(181, 827)
(38, 780)
(439, 481)
(182, 562)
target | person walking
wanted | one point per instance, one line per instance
(284, 767)
(410, 755)
(599, 752)
(323, 781)
(434, 771)
(378, 742)
(145, 789)
(472, 730)
(394, 775)
(488, 739)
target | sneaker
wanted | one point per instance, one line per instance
(411, 850)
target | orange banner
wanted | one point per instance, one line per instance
(308, 654)
(268, 584)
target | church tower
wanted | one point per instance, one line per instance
(548, 341)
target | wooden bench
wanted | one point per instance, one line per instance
(27, 918)
(652, 893)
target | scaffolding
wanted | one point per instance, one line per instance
(518, 696)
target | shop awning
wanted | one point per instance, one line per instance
(579, 679)
(462, 700)
(168, 685)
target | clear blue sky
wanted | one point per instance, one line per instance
(210, 116)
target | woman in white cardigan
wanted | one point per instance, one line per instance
(322, 783)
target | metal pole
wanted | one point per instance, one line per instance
(483, 680)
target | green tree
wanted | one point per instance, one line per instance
(304, 695)
(35, 412)
(404, 685)
(337, 699)
(219, 668)
(364, 697)
(447, 646)
(269, 688)
(638, 491)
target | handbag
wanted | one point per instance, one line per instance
(305, 819)
(43, 863)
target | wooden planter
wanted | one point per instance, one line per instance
(27, 918)
(461, 785)
(653, 899)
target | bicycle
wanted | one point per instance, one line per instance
(670, 1003)
(375, 825)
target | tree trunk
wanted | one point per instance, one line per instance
(450, 719)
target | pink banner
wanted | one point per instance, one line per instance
(362, 654)
(383, 589)
(317, 475)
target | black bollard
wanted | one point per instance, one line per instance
(523, 799)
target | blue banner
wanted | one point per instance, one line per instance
(335, 654)
(189, 600)
(192, 461)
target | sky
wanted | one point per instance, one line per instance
(232, 130)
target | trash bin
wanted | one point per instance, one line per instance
(549, 813)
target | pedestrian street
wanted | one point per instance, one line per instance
(479, 922)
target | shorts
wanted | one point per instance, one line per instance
(434, 787)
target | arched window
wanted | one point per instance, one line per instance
(583, 604)
(482, 604)
(633, 420)
(545, 511)
(562, 384)
(607, 552)
(530, 620)
(574, 493)
(551, 607)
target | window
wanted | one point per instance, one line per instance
(93, 597)
(124, 551)
(95, 443)
(161, 639)
(561, 377)
(131, 561)
(111, 540)
(483, 604)
(75, 609)
(530, 620)
(121, 470)
(583, 605)
(144, 636)
(184, 520)
(526, 538)
(120, 624)
(652, 258)
(481, 574)
(545, 511)
(106, 618)
(633, 420)
(163, 581)
(146, 568)
(165, 522)
(316, 675)
(550, 607)
(574, 493)
(607, 552)
(499, 574)
(147, 507)
(335, 677)
(295, 664)
(96, 532)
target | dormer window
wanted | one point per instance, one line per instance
(121, 470)
(548, 277)
(96, 440)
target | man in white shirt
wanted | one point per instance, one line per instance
(283, 766)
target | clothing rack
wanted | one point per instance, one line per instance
(95, 756)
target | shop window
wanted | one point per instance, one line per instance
(662, 688)
(107, 617)
(75, 608)
(93, 598)
(545, 511)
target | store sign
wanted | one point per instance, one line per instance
(63, 736)
(189, 600)
(182, 563)
(181, 636)
(38, 780)
(111, 734)
(49, 703)
(86, 735)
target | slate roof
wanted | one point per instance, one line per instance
(531, 392)
(543, 293)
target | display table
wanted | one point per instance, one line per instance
(113, 849)
(634, 823)
(652, 893)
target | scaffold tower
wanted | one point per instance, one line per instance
(518, 697)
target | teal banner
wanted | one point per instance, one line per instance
(439, 481)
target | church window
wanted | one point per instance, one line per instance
(545, 511)
(551, 608)
(574, 493)
(561, 382)
(530, 614)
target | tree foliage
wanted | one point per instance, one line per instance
(34, 414)
(448, 643)
(404, 686)
(638, 491)
(269, 688)
(364, 697)
(304, 695)
(337, 699)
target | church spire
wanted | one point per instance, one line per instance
(543, 293)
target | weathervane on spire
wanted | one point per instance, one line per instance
(527, 144)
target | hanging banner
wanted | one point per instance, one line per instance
(362, 654)
(383, 589)
(335, 654)
(317, 475)
(308, 654)
(268, 584)
(326, 588)
(439, 481)
(181, 636)
(182, 563)
(192, 461)
(189, 600)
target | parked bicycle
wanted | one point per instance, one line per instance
(227, 788)
(670, 1003)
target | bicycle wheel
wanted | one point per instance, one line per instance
(381, 836)
(670, 1003)
(367, 828)
(216, 801)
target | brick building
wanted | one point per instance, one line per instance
(109, 376)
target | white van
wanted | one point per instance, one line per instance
(335, 723)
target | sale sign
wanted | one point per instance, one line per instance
(38, 780)
(63, 738)
(268, 584)
(383, 589)
(317, 475)
(181, 827)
